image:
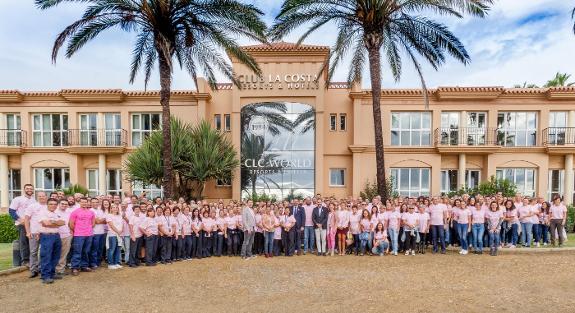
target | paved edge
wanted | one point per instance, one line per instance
(13, 270)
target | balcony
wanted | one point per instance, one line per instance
(559, 140)
(96, 141)
(466, 139)
(12, 141)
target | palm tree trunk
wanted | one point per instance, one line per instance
(375, 74)
(165, 90)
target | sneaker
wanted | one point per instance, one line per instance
(512, 247)
(75, 272)
(112, 267)
(460, 251)
(407, 252)
(544, 244)
(464, 252)
(47, 281)
(381, 254)
(118, 266)
(395, 253)
(412, 252)
(537, 245)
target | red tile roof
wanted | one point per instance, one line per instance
(284, 46)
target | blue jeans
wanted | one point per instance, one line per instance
(383, 245)
(478, 230)
(50, 247)
(462, 232)
(364, 237)
(268, 242)
(526, 233)
(113, 251)
(438, 236)
(512, 234)
(494, 240)
(96, 250)
(308, 238)
(544, 233)
(81, 247)
(393, 234)
(447, 235)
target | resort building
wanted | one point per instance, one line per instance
(296, 135)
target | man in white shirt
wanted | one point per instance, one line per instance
(17, 211)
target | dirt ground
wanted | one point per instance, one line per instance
(538, 282)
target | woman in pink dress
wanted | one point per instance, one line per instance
(331, 229)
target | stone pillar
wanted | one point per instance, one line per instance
(461, 171)
(100, 126)
(568, 186)
(462, 131)
(4, 181)
(102, 174)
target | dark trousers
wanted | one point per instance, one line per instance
(197, 249)
(258, 243)
(188, 246)
(422, 246)
(98, 245)
(177, 248)
(23, 244)
(81, 248)
(298, 237)
(277, 247)
(438, 236)
(233, 242)
(410, 240)
(206, 244)
(166, 249)
(135, 246)
(288, 238)
(356, 244)
(151, 249)
(50, 248)
(218, 243)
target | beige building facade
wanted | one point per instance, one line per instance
(465, 136)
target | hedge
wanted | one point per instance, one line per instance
(8, 232)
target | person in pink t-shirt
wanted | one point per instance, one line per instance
(331, 229)
(114, 240)
(354, 227)
(494, 219)
(557, 219)
(380, 241)
(424, 223)
(478, 227)
(33, 226)
(149, 227)
(136, 235)
(463, 217)
(82, 222)
(410, 222)
(365, 226)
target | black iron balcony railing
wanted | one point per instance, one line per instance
(464, 136)
(97, 137)
(516, 138)
(12, 138)
(559, 136)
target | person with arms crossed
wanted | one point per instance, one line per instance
(82, 222)
(63, 211)
(50, 244)
(32, 224)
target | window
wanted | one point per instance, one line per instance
(13, 130)
(218, 122)
(476, 128)
(450, 128)
(523, 178)
(333, 122)
(143, 124)
(448, 181)
(555, 183)
(223, 182)
(89, 129)
(517, 128)
(114, 182)
(51, 179)
(557, 128)
(113, 129)
(14, 184)
(50, 130)
(411, 182)
(152, 191)
(227, 122)
(337, 177)
(410, 129)
(472, 178)
(343, 122)
(92, 182)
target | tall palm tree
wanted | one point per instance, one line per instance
(190, 32)
(560, 80)
(370, 28)
(525, 85)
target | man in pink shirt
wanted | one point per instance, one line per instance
(17, 210)
(63, 212)
(51, 245)
(438, 222)
(82, 223)
(32, 223)
(557, 219)
(309, 231)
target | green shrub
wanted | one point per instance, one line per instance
(263, 197)
(74, 189)
(8, 232)
(292, 195)
(370, 190)
(570, 227)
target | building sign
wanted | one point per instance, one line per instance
(279, 82)
(278, 149)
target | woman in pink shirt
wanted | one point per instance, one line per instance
(525, 214)
(423, 227)
(331, 229)
(410, 222)
(178, 239)
(288, 234)
(259, 235)
(166, 227)
(354, 227)
(136, 236)
(494, 220)
(187, 232)
(232, 233)
(277, 231)
(207, 239)
(149, 227)
(463, 217)
(342, 221)
(365, 226)
(268, 221)
(544, 222)
(115, 228)
(478, 227)
(380, 241)
(557, 219)
(511, 224)
(220, 233)
(197, 236)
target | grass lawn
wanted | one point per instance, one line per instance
(5, 256)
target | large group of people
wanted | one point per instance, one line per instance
(61, 235)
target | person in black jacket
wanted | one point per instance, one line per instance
(319, 217)
(299, 215)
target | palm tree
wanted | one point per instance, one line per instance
(560, 80)
(525, 85)
(369, 28)
(189, 32)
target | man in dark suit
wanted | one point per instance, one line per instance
(299, 214)
(319, 217)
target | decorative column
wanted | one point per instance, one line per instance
(102, 174)
(4, 181)
(461, 170)
(568, 193)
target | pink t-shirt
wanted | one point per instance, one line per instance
(436, 213)
(150, 224)
(33, 212)
(20, 204)
(513, 215)
(46, 215)
(393, 218)
(135, 222)
(197, 225)
(308, 209)
(231, 222)
(125, 222)
(536, 209)
(117, 221)
(523, 212)
(410, 219)
(380, 235)
(423, 222)
(365, 225)
(208, 225)
(342, 218)
(478, 216)
(83, 220)
(354, 223)
(258, 219)
(462, 215)
(221, 224)
(99, 229)
(557, 211)
(64, 230)
(493, 217)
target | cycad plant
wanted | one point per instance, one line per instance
(191, 33)
(370, 30)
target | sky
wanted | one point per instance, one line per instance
(520, 41)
